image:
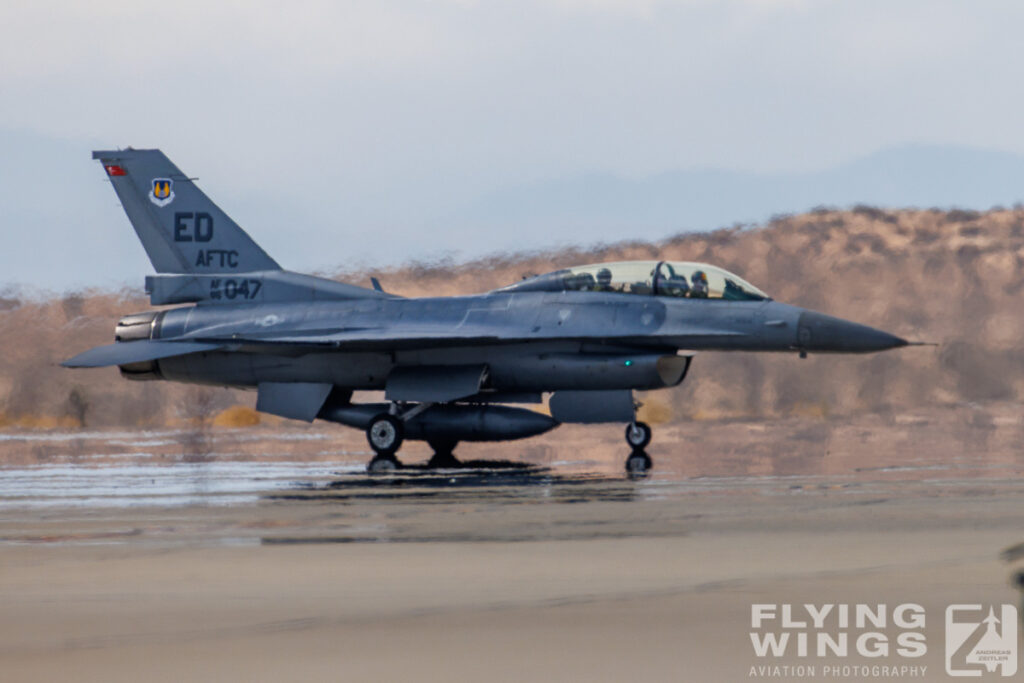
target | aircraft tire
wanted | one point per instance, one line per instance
(638, 435)
(384, 434)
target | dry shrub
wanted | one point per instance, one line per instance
(43, 422)
(807, 409)
(237, 416)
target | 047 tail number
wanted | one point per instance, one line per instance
(227, 288)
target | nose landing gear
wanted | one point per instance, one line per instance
(638, 435)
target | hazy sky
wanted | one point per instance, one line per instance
(361, 126)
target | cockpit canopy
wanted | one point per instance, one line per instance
(682, 279)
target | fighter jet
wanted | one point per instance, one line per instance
(452, 368)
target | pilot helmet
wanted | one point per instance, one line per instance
(604, 276)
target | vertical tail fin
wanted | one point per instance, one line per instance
(180, 228)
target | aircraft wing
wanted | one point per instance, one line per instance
(384, 337)
(441, 335)
(123, 353)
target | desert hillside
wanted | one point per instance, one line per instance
(954, 277)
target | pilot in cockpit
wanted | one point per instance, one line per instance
(700, 285)
(673, 283)
(604, 281)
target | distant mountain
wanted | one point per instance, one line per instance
(601, 206)
(65, 229)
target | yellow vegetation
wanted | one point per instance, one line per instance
(237, 416)
(809, 409)
(38, 422)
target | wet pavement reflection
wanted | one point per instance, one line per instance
(287, 504)
(280, 487)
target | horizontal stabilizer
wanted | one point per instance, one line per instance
(123, 353)
(294, 400)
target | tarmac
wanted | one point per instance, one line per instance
(126, 562)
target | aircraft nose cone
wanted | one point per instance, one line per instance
(819, 332)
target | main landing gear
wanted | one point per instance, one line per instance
(384, 433)
(638, 435)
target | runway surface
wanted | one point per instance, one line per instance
(224, 563)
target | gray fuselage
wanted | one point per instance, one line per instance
(530, 341)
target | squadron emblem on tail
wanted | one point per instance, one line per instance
(162, 193)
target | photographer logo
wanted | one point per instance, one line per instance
(981, 640)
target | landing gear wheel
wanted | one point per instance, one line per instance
(385, 434)
(443, 456)
(638, 435)
(383, 465)
(638, 463)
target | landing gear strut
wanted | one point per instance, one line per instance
(638, 435)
